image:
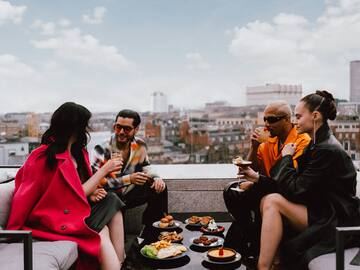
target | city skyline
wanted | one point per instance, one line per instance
(108, 55)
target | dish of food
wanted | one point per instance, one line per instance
(163, 250)
(214, 254)
(205, 241)
(239, 161)
(167, 222)
(212, 228)
(221, 254)
(169, 226)
(172, 237)
(197, 221)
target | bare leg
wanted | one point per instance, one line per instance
(109, 258)
(273, 207)
(116, 229)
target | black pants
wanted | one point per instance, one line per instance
(157, 203)
(244, 207)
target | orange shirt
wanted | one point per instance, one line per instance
(268, 152)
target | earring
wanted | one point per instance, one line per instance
(314, 131)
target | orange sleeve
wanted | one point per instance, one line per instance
(302, 141)
(260, 157)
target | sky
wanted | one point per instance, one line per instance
(112, 54)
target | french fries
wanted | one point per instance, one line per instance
(161, 244)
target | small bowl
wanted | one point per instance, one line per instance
(229, 255)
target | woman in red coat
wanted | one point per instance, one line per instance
(52, 187)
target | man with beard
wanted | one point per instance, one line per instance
(265, 152)
(135, 184)
(266, 145)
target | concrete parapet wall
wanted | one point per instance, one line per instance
(196, 195)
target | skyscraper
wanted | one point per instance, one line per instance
(158, 102)
(355, 81)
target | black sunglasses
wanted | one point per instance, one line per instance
(273, 119)
(126, 129)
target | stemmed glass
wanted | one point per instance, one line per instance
(239, 162)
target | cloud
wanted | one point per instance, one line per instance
(64, 22)
(71, 44)
(47, 28)
(96, 17)
(196, 61)
(289, 49)
(8, 12)
(12, 68)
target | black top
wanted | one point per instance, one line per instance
(325, 182)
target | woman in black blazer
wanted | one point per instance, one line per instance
(314, 198)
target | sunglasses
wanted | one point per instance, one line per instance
(273, 119)
(126, 129)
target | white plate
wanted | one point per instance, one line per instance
(218, 243)
(176, 225)
(236, 259)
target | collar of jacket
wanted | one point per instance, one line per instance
(69, 173)
(323, 133)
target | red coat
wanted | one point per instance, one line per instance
(53, 205)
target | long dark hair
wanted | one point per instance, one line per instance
(70, 119)
(323, 102)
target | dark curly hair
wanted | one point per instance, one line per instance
(70, 119)
(323, 102)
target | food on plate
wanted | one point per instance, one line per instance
(212, 228)
(167, 221)
(221, 254)
(162, 249)
(163, 224)
(169, 217)
(170, 236)
(194, 220)
(206, 241)
(150, 251)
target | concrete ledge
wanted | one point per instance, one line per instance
(196, 195)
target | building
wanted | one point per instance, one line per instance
(355, 81)
(348, 134)
(349, 108)
(262, 95)
(13, 153)
(159, 102)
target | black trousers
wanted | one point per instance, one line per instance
(244, 207)
(157, 203)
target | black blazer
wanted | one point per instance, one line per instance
(325, 182)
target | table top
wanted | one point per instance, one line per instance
(193, 260)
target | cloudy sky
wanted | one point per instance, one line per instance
(113, 54)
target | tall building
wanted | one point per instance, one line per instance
(262, 95)
(159, 102)
(355, 81)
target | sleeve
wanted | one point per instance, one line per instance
(27, 193)
(118, 182)
(302, 143)
(295, 186)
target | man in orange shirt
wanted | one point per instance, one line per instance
(265, 151)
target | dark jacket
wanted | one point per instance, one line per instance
(325, 182)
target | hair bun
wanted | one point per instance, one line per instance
(329, 104)
(325, 94)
